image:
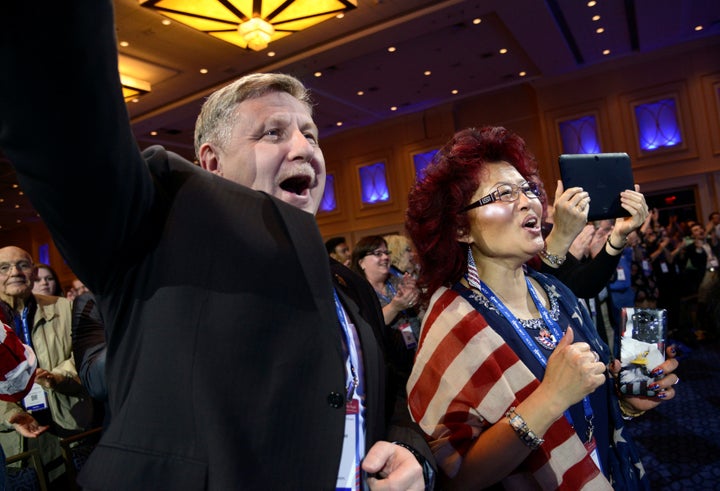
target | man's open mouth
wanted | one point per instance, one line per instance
(296, 184)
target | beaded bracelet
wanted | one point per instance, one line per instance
(518, 424)
(553, 259)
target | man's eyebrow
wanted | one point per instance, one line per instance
(309, 125)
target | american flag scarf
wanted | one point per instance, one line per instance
(466, 377)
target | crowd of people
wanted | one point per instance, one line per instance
(234, 350)
(57, 405)
(675, 266)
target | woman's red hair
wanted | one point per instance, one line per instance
(434, 218)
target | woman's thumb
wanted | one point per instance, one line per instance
(567, 339)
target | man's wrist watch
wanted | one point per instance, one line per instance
(428, 471)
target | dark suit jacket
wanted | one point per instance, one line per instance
(224, 364)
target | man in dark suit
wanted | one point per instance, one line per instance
(232, 362)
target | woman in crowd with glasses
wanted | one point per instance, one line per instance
(398, 296)
(511, 382)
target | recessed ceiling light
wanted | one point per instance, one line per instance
(135, 101)
(503, 51)
(339, 123)
(166, 22)
(477, 21)
(340, 15)
(153, 133)
(454, 91)
(427, 73)
(591, 3)
(596, 18)
(698, 28)
(606, 52)
(203, 70)
(522, 74)
(124, 44)
(271, 54)
(600, 30)
(394, 108)
(317, 74)
(392, 49)
(360, 92)
(14, 186)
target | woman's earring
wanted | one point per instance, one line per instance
(472, 272)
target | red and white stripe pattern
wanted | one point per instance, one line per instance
(17, 366)
(464, 380)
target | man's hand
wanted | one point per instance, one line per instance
(396, 467)
(26, 425)
(48, 380)
(581, 245)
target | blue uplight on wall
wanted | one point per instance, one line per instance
(658, 125)
(44, 253)
(579, 135)
(328, 202)
(421, 161)
(373, 183)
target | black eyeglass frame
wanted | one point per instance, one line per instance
(525, 188)
(378, 253)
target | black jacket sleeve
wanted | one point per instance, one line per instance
(88, 337)
(585, 278)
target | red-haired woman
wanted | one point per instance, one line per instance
(510, 380)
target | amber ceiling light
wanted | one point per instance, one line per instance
(250, 23)
(133, 87)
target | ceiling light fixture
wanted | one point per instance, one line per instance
(250, 24)
(133, 87)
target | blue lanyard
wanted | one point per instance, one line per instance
(353, 382)
(349, 348)
(23, 321)
(392, 291)
(527, 340)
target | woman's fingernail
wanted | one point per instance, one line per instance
(654, 387)
(662, 394)
(658, 372)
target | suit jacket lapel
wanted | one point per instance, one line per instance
(305, 236)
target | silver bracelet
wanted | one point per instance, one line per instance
(553, 259)
(518, 424)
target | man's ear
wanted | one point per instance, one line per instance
(209, 159)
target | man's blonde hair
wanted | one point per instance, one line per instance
(217, 118)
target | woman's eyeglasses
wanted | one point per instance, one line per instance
(507, 193)
(379, 253)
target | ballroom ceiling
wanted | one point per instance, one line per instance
(442, 50)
